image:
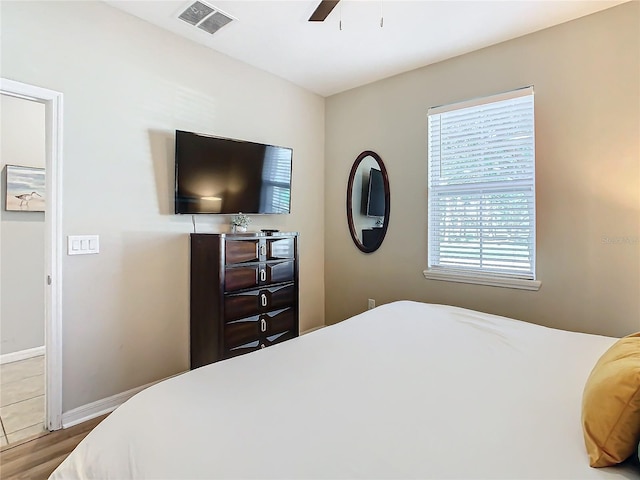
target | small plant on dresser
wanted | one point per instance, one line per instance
(239, 223)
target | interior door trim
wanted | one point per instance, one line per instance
(52, 280)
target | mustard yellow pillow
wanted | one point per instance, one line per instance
(611, 404)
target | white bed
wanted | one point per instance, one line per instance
(407, 390)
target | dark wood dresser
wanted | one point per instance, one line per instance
(244, 293)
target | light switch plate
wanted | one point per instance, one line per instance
(83, 244)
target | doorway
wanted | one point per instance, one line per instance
(39, 360)
(22, 162)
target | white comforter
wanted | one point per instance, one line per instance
(407, 390)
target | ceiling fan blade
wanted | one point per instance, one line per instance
(323, 10)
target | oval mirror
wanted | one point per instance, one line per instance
(368, 204)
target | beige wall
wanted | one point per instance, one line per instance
(127, 86)
(22, 139)
(587, 94)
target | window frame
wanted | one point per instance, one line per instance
(477, 275)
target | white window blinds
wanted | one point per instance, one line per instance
(482, 186)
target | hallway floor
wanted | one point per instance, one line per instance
(21, 400)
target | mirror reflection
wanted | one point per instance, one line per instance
(368, 201)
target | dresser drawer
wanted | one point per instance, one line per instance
(245, 304)
(280, 249)
(242, 251)
(260, 343)
(245, 330)
(250, 276)
(259, 250)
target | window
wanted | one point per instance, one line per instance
(481, 162)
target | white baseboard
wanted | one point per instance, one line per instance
(21, 355)
(100, 407)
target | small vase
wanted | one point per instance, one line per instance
(239, 229)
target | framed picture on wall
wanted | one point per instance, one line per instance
(25, 189)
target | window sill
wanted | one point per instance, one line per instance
(496, 281)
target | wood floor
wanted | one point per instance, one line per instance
(39, 457)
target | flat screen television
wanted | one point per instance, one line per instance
(375, 205)
(227, 176)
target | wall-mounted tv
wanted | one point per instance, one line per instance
(375, 203)
(227, 176)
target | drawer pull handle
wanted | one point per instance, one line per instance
(263, 300)
(263, 325)
(263, 249)
(263, 275)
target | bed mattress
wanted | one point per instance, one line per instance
(406, 390)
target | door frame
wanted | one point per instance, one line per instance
(52, 280)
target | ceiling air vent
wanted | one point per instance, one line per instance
(205, 17)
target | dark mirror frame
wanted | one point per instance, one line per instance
(387, 202)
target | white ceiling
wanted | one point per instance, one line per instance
(274, 35)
